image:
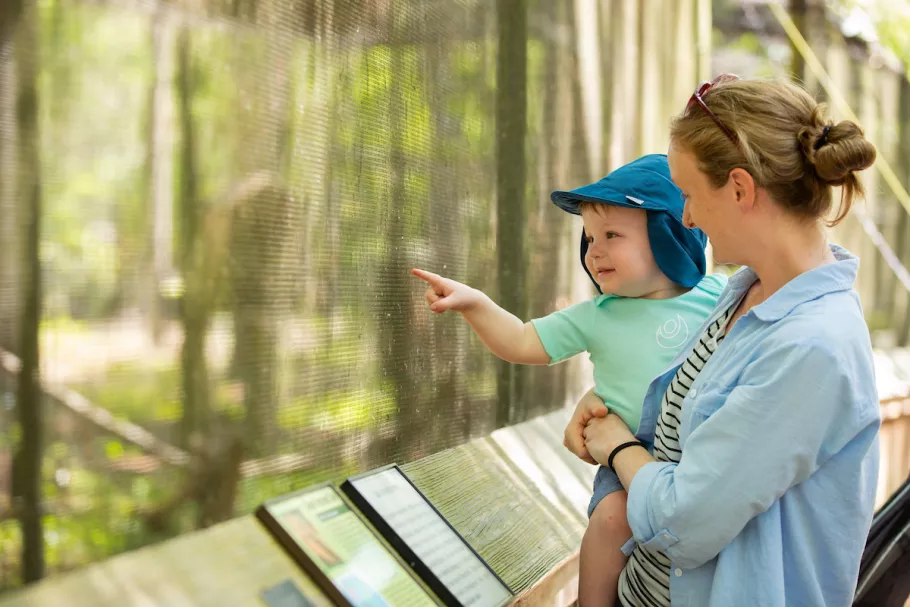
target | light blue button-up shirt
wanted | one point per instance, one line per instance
(773, 497)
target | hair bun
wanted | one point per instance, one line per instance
(837, 151)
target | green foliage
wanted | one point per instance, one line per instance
(750, 43)
(137, 392)
(895, 35)
(254, 491)
(889, 18)
(214, 99)
(385, 136)
(347, 409)
(93, 208)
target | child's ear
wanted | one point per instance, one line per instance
(584, 251)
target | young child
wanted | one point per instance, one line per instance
(650, 270)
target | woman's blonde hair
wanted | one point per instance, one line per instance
(784, 141)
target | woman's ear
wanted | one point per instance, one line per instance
(743, 185)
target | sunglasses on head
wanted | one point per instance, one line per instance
(697, 99)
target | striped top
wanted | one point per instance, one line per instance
(645, 581)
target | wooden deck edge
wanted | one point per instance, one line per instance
(895, 408)
(558, 588)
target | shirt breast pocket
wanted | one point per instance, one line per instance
(699, 407)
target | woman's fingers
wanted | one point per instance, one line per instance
(574, 439)
(589, 407)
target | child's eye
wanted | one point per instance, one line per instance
(611, 235)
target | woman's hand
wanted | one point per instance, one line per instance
(446, 294)
(589, 407)
(604, 434)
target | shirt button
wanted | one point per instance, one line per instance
(693, 392)
(678, 573)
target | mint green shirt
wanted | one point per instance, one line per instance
(630, 340)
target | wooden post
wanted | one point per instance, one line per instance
(703, 36)
(588, 45)
(902, 169)
(862, 98)
(27, 477)
(890, 211)
(817, 30)
(608, 53)
(511, 214)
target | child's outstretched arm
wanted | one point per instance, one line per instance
(503, 333)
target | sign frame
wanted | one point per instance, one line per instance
(310, 567)
(401, 546)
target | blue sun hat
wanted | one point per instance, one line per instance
(645, 184)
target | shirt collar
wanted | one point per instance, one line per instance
(603, 298)
(829, 278)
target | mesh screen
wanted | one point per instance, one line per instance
(232, 194)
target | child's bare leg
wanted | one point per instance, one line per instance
(601, 558)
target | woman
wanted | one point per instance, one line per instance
(760, 487)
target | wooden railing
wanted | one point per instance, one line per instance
(517, 496)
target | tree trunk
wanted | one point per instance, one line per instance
(817, 27)
(445, 223)
(10, 223)
(27, 466)
(193, 307)
(396, 314)
(158, 260)
(798, 12)
(264, 225)
(511, 214)
(566, 167)
(316, 105)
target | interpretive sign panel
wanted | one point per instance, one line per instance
(425, 539)
(339, 550)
